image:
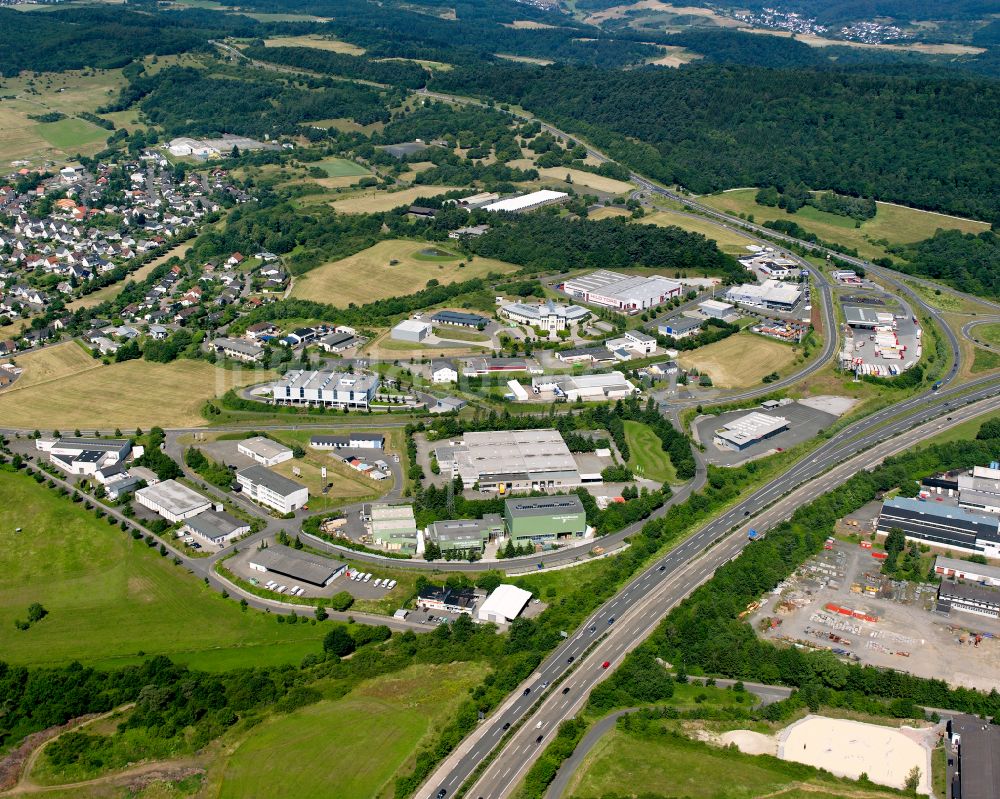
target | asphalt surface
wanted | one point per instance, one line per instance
(635, 611)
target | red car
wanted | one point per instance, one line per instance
(605, 664)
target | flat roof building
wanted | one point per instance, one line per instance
(352, 441)
(748, 430)
(412, 330)
(238, 349)
(966, 598)
(978, 745)
(773, 294)
(452, 600)
(679, 327)
(980, 491)
(541, 520)
(174, 501)
(504, 604)
(393, 527)
(586, 388)
(625, 293)
(861, 318)
(471, 320)
(940, 525)
(716, 309)
(464, 535)
(548, 315)
(264, 451)
(272, 489)
(516, 460)
(338, 389)
(294, 564)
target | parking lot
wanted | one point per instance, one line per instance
(804, 422)
(840, 602)
(861, 349)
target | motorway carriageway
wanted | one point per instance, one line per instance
(683, 574)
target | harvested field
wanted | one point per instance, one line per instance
(51, 363)
(729, 240)
(588, 179)
(739, 361)
(316, 42)
(369, 202)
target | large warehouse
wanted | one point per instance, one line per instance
(516, 460)
(773, 294)
(303, 567)
(172, 500)
(539, 520)
(412, 330)
(339, 389)
(624, 293)
(464, 535)
(748, 430)
(941, 525)
(527, 202)
(504, 604)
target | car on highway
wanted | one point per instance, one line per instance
(538, 740)
(570, 659)
(527, 691)
(611, 619)
(605, 664)
(442, 793)
(566, 690)
(662, 568)
(506, 725)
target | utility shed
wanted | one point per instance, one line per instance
(504, 604)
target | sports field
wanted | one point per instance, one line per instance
(739, 361)
(126, 395)
(340, 168)
(110, 598)
(317, 42)
(350, 748)
(674, 766)
(370, 202)
(727, 239)
(368, 275)
(894, 223)
(646, 456)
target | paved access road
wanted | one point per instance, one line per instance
(636, 609)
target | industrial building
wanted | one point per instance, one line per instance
(965, 598)
(541, 520)
(272, 489)
(412, 330)
(504, 605)
(339, 389)
(515, 460)
(979, 492)
(977, 745)
(679, 327)
(966, 570)
(464, 535)
(264, 451)
(238, 349)
(470, 320)
(174, 501)
(550, 316)
(748, 430)
(393, 527)
(85, 456)
(587, 388)
(352, 441)
(941, 525)
(624, 293)
(449, 600)
(477, 367)
(303, 567)
(216, 527)
(527, 202)
(861, 318)
(772, 294)
(714, 309)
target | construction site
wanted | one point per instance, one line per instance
(839, 601)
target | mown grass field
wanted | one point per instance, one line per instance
(350, 748)
(368, 276)
(676, 767)
(587, 179)
(609, 213)
(893, 223)
(110, 598)
(739, 361)
(52, 363)
(126, 395)
(71, 134)
(341, 167)
(370, 202)
(728, 240)
(989, 333)
(317, 42)
(646, 456)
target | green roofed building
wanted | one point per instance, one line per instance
(465, 535)
(541, 520)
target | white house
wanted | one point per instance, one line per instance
(443, 372)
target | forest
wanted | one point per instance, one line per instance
(968, 262)
(710, 127)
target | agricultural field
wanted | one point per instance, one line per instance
(317, 42)
(673, 765)
(739, 361)
(372, 202)
(69, 93)
(352, 747)
(111, 598)
(587, 179)
(728, 240)
(893, 223)
(609, 213)
(126, 395)
(51, 363)
(340, 173)
(368, 275)
(646, 456)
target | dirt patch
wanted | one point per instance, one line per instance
(12, 765)
(747, 741)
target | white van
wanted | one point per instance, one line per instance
(367, 577)
(377, 583)
(280, 589)
(392, 584)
